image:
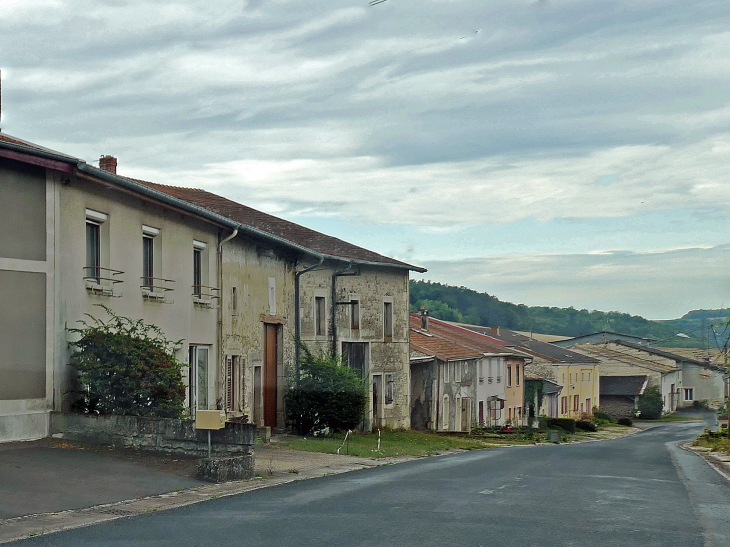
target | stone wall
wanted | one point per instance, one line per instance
(155, 434)
(618, 406)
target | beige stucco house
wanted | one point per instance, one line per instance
(234, 284)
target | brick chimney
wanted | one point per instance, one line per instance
(424, 318)
(495, 330)
(108, 163)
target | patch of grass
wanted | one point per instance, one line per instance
(398, 443)
(717, 442)
(672, 418)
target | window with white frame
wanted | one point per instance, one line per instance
(149, 255)
(200, 268)
(94, 222)
(198, 376)
(689, 394)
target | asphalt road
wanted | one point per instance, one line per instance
(638, 490)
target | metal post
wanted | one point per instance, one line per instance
(209, 444)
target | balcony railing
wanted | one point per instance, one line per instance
(102, 281)
(204, 295)
(156, 289)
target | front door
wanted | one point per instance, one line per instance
(270, 352)
(354, 353)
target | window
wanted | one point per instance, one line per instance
(198, 377)
(563, 405)
(576, 402)
(387, 321)
(509, 375)
(481, 371)
(388, 389)
(517, 373)
(446, 373)
(355, 314)
(93, 251)
(148, 262)
(197, 272)
(688, 394)
(234, 301)
(320, 314)
(232, 382)
(588, 405)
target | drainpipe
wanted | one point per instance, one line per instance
(219, 334)
(335, 275)
(297, 326)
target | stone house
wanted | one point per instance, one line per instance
(233, 283)
(620, 394)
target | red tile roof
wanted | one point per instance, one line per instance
(289, 231)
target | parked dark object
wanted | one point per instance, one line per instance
(625, 421)
(330, 395)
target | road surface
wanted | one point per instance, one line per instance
(639, 490)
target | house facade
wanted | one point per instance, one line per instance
(235, 285)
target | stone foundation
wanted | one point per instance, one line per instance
(226, 469)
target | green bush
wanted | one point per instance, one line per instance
(566, 424)
(126, 367)
(625, 421)
(586, 425)
(329, 395)
(601, 415)
(651, 404)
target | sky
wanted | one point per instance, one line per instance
(551, 152)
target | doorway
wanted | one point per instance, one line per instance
(271, 342)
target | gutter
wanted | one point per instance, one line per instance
(297, 313)
(335, 275)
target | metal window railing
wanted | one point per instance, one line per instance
(102, 280)
(204, 295)
(156, 289)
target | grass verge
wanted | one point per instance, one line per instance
(715, 441)
(399, 443)
(672, 418)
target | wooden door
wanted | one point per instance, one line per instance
(270, 375)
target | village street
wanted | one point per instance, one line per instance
(638, 490)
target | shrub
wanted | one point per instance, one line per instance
(625, 421)
(586, 425)
(126, 367)
(329, 395)
(567, 424)
(651, 404)
(601, 415)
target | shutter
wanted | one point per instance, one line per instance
(230, 400)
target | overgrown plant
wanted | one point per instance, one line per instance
(330, 395)
(126, 366)
(651, 404)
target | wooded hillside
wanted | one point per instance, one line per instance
(465, 305)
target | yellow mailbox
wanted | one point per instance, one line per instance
(210, 419)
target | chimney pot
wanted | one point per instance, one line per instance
(495, 330)
(108, 163)
(424, 318)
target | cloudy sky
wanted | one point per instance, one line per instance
(554, 152)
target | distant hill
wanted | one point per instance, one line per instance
(465, 305)
(703, 324)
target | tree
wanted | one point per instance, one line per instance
(127, 367)
(329, 394)
(651, 403)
